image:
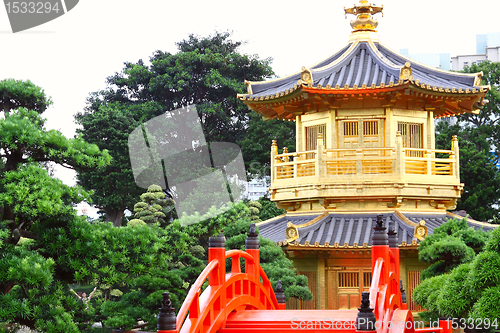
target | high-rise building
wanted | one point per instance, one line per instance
(487, 48)
(438, 60)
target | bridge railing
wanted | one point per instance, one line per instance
(191, 304)
(251, 290)
(226, 292)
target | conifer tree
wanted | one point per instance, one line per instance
(154, 207)
(463, 280)
(33, 284)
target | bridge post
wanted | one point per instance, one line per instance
(252, 248)
(404, 304)
(380, 248)
(280, 296)
(365, 319)
(217, 251)
(446, 324)
(393, 247)
(166, 318)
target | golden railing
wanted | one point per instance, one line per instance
(393, 161)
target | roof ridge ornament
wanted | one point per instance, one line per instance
(406, 72)
(306, 76)
(364, 16)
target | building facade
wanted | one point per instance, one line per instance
(256, 188)
(438, 60)
(365, 147)
(487, 49)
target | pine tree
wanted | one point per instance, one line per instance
(154, 207)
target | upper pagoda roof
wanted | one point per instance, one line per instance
(366, 66)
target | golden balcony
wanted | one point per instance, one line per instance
(364, 173)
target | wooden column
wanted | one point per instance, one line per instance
(322, 284)
(400, 162)
(456, 156)
(319, 172)
(274, 152)
(299, 139)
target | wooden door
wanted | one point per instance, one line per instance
(413, 282)
(312, 284)
(345, 287)
(372, 133)
(349, 130)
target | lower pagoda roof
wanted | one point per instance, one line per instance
(351, 230)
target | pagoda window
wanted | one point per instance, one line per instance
(413, 282)
(350, 128)
(312, 136)
(349, 280)
(367, 279)
(361, 133)
(411, 134)
(370, 128)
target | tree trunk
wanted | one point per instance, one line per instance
(5, 288)
(115, 215)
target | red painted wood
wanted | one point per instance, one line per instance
(429, 330)
(239, 302)
(447, 326)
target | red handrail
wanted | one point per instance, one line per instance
(377, 273)
(265, 280)
(235, 256)
(194, 293)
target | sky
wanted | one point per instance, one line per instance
(72, 55)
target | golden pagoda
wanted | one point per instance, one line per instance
(365, 143)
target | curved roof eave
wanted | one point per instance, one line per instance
(345, 52)
(413, 62)
(377, 64)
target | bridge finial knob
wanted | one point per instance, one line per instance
(393, 235)
(166, 318)
(365, 320)
(280, 293)
(252, 242)
(403, 294)
(217, 241)
(380, 235)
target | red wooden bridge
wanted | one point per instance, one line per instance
(239, 302)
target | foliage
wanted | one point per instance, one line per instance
(478, 171)
(108, 125)
(256, 144)
(154, 207)
(426, 295)
(15, 94)
(478, 135)
(33, 285)
(450, 245)
(272, 258)
(139, 262)
(484, 306)
(469, 288)
(269, 209)
(147, 260)
(456, 297)
(254, 207)
(206, 71)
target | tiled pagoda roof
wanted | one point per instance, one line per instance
(367, 66)
(351, 230)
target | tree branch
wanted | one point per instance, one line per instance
(28, 234)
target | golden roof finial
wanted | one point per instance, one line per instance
(364, 12)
